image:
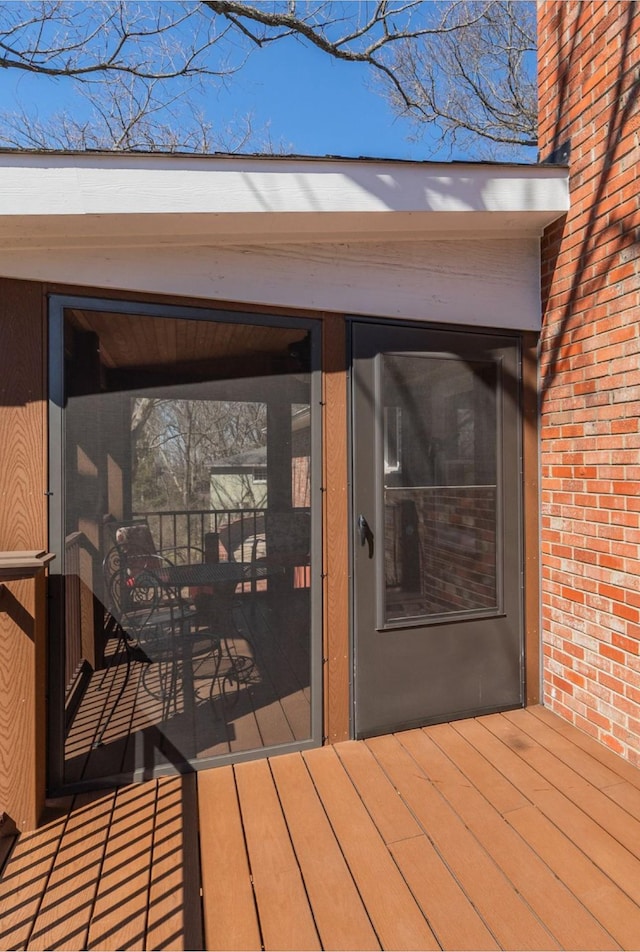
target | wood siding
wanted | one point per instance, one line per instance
(23, 415)
(23, 526)
(337, 653)
(493, 282)
(23, 740)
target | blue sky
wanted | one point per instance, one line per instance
(318, 105)
(299, 99)
(309, 103)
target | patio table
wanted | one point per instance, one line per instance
(216, 573)
(223, 578)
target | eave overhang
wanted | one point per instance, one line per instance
(67, 200)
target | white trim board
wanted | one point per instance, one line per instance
(67, 199)
(491, 283)
(449, 242)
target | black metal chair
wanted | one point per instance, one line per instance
(115, 588)
(163, 626)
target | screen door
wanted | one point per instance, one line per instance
(436, 512)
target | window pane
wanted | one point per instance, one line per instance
(440, 491)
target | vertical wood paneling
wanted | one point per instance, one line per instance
(531, 522)
(22, 416)
(22, 700)
(22, 526)
(336, 532)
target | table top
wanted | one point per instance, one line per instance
(212, 573)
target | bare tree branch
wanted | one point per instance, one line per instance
(463, 68)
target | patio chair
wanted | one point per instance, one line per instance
(286, 543)
(116, 590)
(157, 621)
(139, 551)
(162, 625)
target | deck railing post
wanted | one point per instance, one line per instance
(22, 689)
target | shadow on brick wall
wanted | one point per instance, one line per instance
(606, 234)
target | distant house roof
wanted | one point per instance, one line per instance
(257, 455)
(249, 459)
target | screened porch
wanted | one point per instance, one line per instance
(185, 445)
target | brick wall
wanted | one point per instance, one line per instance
(589, 74)
(440, 550)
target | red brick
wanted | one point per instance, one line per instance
(590, 371)
(626, 644)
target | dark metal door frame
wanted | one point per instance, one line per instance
(511, 470)
(56, 714)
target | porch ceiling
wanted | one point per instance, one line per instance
(133, 341)
(79, 200)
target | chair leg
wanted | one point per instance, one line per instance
(167, 690)
(98, 740)
(238, 673)
(110, 629)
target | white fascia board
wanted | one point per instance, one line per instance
(149, 199)
(106, 231)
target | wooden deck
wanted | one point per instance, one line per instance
(512, 831)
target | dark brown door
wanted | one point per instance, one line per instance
(437, 540)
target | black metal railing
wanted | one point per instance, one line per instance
(236, 529)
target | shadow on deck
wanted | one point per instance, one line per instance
(266, 706)
(510, 831)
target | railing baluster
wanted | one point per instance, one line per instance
(237, 529)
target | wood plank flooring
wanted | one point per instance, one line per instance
(121, 707)
(511, 831)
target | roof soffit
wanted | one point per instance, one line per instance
(146, 200)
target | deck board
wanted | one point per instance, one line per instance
(585, 742)
(338, 911)
(580, 813)
(497, 900)
(395, 915)
(65, 913)
(119, 915)
(575, 783)
(452, 916)
(285, 916)
(174, 915)
(593, 771)
(25, 877)
(619, 915)
(571, 925)
(391, 815)
(230, 915)
(505, 831)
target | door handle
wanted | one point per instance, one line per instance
(365, 533)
